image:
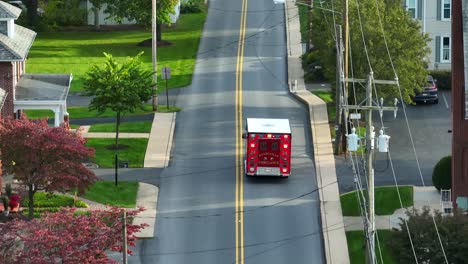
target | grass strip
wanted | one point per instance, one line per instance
(105, 192)
(386, 200)
(134, 154)
(357, 250)
(125, 127)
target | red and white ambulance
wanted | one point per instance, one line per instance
(268, 147)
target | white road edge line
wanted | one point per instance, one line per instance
(445, 100)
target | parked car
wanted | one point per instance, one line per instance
(429, 94)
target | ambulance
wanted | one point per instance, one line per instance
(268, 147)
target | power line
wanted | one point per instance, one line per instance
(407, 125)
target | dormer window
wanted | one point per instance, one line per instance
(4, 27)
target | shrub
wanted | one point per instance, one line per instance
(43, 199)
(444, 79)
(312, 68)
(191, 6)
(442, 174)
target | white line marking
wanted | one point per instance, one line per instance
(445, 100)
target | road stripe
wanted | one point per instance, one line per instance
(445, 100)
(239, 215)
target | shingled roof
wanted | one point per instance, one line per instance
(9, 11)
(17, 47)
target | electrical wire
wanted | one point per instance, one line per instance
(409, 129)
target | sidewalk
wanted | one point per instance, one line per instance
(333, 230)
(157, 156)
(423, 196)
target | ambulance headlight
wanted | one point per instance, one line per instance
(251, 169)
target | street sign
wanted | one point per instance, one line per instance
(355, 116)
(165, 73)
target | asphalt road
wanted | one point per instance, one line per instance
(196, 206)
(429, 124)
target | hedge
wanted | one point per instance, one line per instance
(442, 174)
(444, 79)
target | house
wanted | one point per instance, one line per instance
(103, 20)
(435, 17)
(23, 91)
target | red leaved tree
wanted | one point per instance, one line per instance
(67, 237)
(43, 157)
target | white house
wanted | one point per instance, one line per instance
(104, 21)
(435, 18)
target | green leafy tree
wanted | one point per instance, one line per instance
(407, 45)
(140, 11)
(453, 231)
(120, 87)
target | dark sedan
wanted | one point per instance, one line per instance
(429, 94)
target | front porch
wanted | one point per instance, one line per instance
(43, 91)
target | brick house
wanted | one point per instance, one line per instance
(26, 91)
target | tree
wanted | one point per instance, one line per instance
(67, 237)
(140, 11)
(31, 6)
(453, 231)
(44, 158)
(121, 87)
(407, 45)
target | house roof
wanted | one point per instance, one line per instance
(43, 87)
(16, 48)
(9, 11)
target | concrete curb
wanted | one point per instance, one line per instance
(160, 141)
(334, 237)
(147, 197)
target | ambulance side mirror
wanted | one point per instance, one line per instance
(244, 135)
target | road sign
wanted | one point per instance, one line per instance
(355, 116)
(166, 73)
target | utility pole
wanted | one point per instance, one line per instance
(124, 246)
(339, 94)
(368, 105)
(345, 113)
(154, 45)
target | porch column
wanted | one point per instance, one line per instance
(57, 116)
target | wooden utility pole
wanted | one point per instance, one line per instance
(459, 105)
(338, 88)
(154, 47)
(368, 106)
(345, 113)
(124, 246)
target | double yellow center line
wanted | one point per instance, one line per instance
(239, 219)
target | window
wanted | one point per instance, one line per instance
(445, 50)
(4, 27)
(446, 9)
(274, 146)
(263, 146)
(411, 7)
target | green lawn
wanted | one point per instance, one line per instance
(386, 200)
(83, 112)
(356, 247)
(75, 52)
(105, 192)
(126, 127)
(134, 154)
